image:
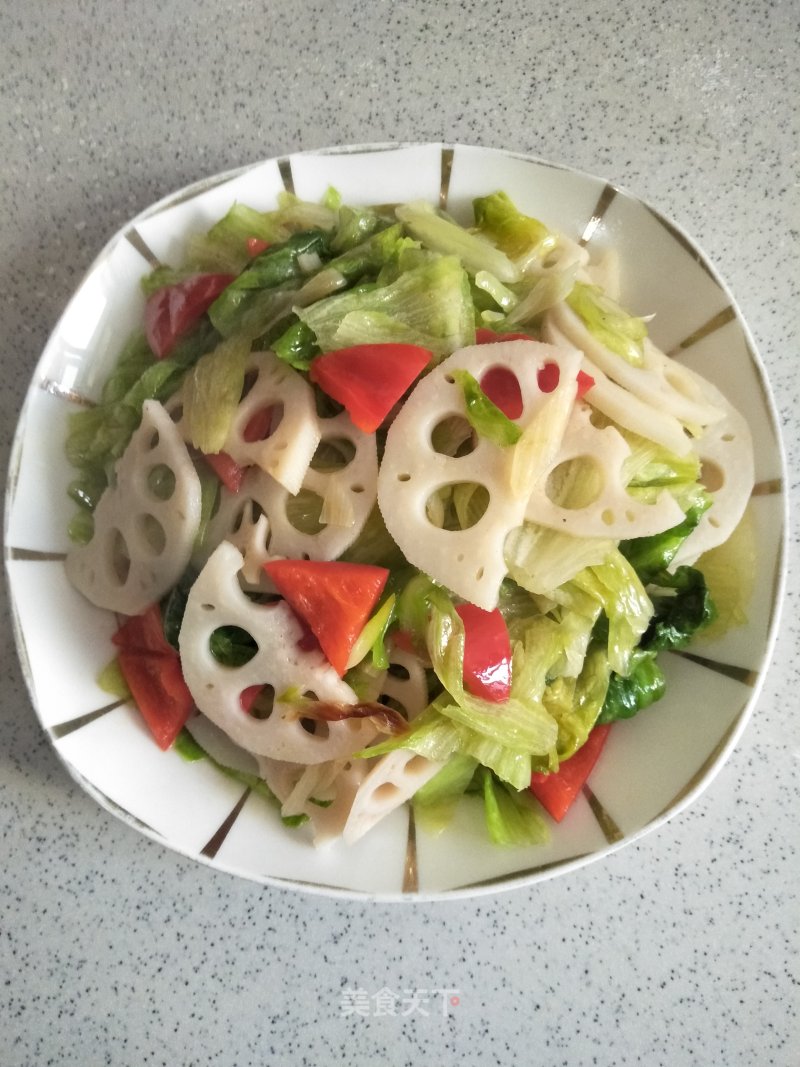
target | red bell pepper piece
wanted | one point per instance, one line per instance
(249, 696)
(172, 311)
(255, 246)
(484, 336)
(226, 469)
(501, 385)
(585, 383)
(333, 599)
(144, 634)
(548, 377)
(556, 792)
(487, 653)
(260, 424)
(152, 669)
(369, 379)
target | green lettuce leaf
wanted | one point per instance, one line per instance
(371, 255)
(430, 303)
(436, 801)
(608, 322)
(485, 417)
(438, 737)
(540, 559)
(98, 436)
(516, 234)
(212, 391)
(263, 288)
(449, 239)
(616, 587)
(512, 817)
(297, 346)
(576, 703)
(353, 226)
(642, 687)
(651, 555)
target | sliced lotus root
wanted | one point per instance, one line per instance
(468, 561)
(623, 407)
(144, 524)
(295, 785)
(275, 426)
(392, 781)
(610, 511)
(726, 454)
(395, 777)
(405, 683)
(216, 600)
(341, 482)
(340, 782)
(653, 382)
(240, 520)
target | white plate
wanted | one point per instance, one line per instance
(653, 765)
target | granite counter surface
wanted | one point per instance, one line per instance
(679, 950)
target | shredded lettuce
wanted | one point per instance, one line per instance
(429, 304)
(485, 417)
(98, 436)
(212, 392)
(608, 322)
(209, 496)
(373, 637)
(297, 346)
(438, 737)
(173, 606)
(515, 234)
(371, 255)
(353, 226)
(576, 703)
(225, 244)
(650, 555)
(500, 295)
(540, 559)
(436, 801)
(617, 589)
(546, 289)
(449, 239)
(512, 817)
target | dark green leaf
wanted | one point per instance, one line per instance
(643, 686)
(275, 267)
(650, 555)
(173, 606)
(682, 607)
(232, 646)
(297, 346)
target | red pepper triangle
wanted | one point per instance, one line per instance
(334, 599)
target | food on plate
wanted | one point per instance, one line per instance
(399, 510)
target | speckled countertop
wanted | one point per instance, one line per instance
(680, 950)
